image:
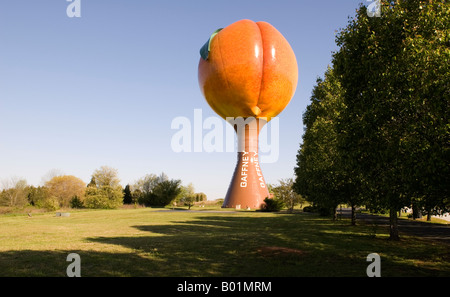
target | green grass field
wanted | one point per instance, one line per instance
(211, 242)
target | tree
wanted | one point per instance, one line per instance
(200, 197)
(321, 176)
(14, 192)
(285, 192)
(427, 52)
(187, 195)
(165, 192)
(106, 176)
(40, 197)
(51, 174)
(394, 129)
(127, 197)
(136, 196)
(105, 197)
(64, 188)
(104, 190)
(153, 190)
(143, 188)
(189, 201)
(76, 202)
(92, 183)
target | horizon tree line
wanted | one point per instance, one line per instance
(103, 191)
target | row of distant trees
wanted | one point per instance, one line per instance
(103, 191)
(377, 128)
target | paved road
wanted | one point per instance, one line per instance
(439, 232)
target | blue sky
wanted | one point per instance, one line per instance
(103, 89)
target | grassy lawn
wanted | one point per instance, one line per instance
(161, 242)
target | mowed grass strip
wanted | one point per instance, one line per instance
(161, 242)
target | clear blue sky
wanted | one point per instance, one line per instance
(103, 89)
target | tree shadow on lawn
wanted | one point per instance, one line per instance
(233, 245)
(32, 263)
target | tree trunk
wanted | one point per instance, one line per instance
(393, 224)
(416, 212)
(353, 215)
(428, 215)
(291, 207)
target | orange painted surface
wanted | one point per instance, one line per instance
(251, 71)
(247, 187)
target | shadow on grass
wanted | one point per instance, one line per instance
(28, 263)
(235, 245)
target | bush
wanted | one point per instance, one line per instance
(309, 208)
(76, 202)
(50, 203)
(162, 194)
(321, 210)
(146, 199)
(104, 197)
(272, 205)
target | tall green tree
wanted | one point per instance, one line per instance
(320, 176)
(127, 197)
(394, 130)
(427, 54)
(165, 192)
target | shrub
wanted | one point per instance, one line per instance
(272, 205)
(309, 208)
(162, 194)
(104, 197)
(146, 199)
(50, 203)
(76, 202)
(321, 210)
